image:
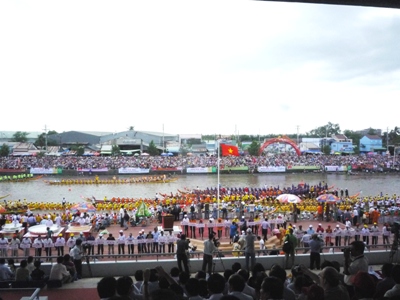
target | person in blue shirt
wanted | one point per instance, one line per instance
(310, 230)
(232, 232)
(316, 245)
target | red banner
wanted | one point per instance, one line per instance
(12, 171)
(176, 169)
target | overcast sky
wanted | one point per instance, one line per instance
(208, 67)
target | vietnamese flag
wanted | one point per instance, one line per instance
(229, 150)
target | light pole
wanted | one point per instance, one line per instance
(163, 145)
(45, 136)
(394, 154)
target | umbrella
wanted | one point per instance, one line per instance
(2, 209)
(82, 207)
(170, 154)
(328, 198)
(144, 154)
(164, 154)
(288, 198)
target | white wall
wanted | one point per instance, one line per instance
(128, 267)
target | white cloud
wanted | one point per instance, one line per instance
(197, 66)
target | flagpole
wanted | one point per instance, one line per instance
(218, 180)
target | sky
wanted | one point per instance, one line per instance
(197, 67)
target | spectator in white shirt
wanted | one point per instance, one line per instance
(49, 222)
(262, 244)
(58, 220)
(14, 245)
(385, 233)
(59, 271)
(38, 245)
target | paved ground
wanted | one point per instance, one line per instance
(115, 228)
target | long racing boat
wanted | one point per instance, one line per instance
(20, 179)
(111, 181)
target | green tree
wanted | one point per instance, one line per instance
(41, 140)
(371, 131)
(79, 149)
(394, 136)
(20, 136)
(40, 155)
(326, 130)
(4, 150)
(254, 148)
(326, 149)
(152, 149)
(115, 150)
(183, 150)
(355, 137)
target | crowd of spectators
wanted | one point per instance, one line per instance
(116, 162)
(356, 280)
(259, 284)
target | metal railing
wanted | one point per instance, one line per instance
(198, 254)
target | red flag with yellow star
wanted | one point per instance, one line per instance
(229, 150)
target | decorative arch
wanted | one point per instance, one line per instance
(284, 140)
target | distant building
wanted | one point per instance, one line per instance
(371, 143)
(129, 142)
(199, 149)
(186, 139)
(24, 149)
(211, 146)
(310, 146)
(340, 144)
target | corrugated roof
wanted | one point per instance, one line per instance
(96, 133)
(158, 133)
(340, 136)
(373, 137)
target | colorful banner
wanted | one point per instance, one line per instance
(133, 171)
(228, 168)
(199, 170)
(335, 168)
(46, 171)
(271, 169)
(101, 170)
(177, 169)
(308, 168)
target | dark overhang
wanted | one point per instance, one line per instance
(372, 3)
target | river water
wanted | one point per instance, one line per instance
(38, 190)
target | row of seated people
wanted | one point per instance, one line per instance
(239, 284)
(30, 274)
